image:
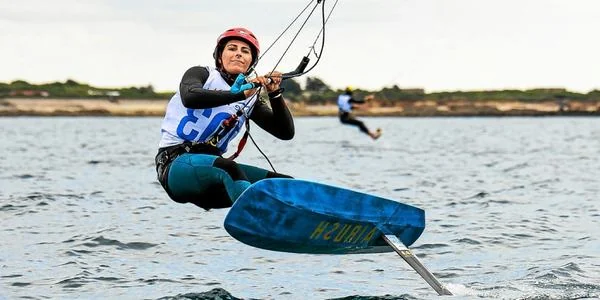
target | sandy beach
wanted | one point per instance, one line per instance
(103, 107)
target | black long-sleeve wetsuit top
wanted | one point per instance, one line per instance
(352, 100)
(276, 119)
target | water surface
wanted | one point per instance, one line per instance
(512, 209)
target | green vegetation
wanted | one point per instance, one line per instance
(73, 89)
(315, 91)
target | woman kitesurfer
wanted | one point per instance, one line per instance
(204, 115)
(346, 103)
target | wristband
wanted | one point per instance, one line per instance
(276, 93)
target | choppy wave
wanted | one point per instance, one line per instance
(511, 208)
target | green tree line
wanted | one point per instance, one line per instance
(315, 91)
(73, 89)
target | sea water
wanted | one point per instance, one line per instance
(512, 210)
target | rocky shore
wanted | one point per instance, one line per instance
(103, 107)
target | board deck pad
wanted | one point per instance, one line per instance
(299, 216)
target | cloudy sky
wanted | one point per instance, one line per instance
(438, 45)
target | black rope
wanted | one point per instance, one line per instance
(295, 36)
(261, 152)
(285, 30)
(321, 33)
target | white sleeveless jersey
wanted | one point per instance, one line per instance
(183, 124)
(344, 103)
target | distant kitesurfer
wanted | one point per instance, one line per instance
(204, 116)
(346, 103)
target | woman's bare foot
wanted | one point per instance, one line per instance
(375, 135)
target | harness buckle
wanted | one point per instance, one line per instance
(213, 142)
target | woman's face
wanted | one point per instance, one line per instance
(236, 57)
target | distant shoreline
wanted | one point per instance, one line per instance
(421, 108)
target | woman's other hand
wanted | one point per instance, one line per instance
(274, 81)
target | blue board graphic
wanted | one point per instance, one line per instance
(299, 216)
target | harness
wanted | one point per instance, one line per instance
(167, 155)
(226, 126)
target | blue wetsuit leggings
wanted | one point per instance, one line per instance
(211, 181)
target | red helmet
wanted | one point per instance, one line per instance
(234, 34)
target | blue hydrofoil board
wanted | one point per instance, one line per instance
(293, 215)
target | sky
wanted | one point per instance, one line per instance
(437, 45)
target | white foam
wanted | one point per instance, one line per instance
(461, 290)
